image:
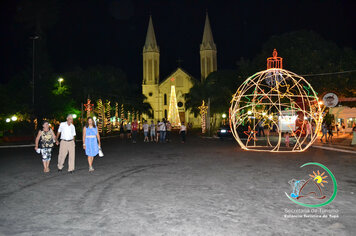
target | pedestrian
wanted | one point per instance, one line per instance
(337, 129)
(330, 133)
(91, 141)
(145, 131)
(183, 131)
(353, 142)
(67, 145)
(44, 144)
(260, 128)
(287, 139)
(158, 131)
(162, 129)
(128, 129)
(122, 130)
(169, 129)
(152, 131)
(134, 127)
(324, 132)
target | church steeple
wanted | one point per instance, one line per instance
(150, 57)
(150, 43)
(208, 60)
(208, 40)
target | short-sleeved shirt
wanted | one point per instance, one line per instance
(183, 128)
(162, 126)
(134, 126)
(128, 126)
(67, 131)
(153, 127)
(145, 127)
(169, 126)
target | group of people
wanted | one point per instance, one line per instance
(65, 138)
(159, 132)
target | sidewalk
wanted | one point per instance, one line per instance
(341, 142)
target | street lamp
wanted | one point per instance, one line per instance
(224, 116)
(33, 67)
(8, 120)
(14, 118)
(60, 80)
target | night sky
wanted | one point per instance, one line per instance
(112, 32)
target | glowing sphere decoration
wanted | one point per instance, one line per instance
(275, 110)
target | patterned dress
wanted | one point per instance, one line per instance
(46, 145)
(91, 142)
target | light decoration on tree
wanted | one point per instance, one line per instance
(173, 114)
(203, 111)
(100, 110)
(280, 100)
(122, 112)
(116, 114)
(88, 107)
(108, 116)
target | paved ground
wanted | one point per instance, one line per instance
(203, 187)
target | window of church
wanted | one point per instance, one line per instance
(165, 113)
(180, 104)
(165, 99)
(150, 94)
(150, 70)
(208, 62)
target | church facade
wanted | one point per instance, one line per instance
(158, 92)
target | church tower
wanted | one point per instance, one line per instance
(150, 57)
(208, 61)
(150, 83)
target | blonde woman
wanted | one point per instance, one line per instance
(46, 139)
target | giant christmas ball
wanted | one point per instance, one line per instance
(272, 107)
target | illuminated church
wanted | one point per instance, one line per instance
(158, 92)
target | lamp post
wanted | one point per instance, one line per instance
(33, 68)
(60, 80)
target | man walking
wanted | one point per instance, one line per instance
(67, 145)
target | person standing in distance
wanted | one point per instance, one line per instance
(67, 145)
(134, 128)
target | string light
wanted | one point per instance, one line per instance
(203, 110)
(173, 114)
(88, 107)
(286, 95)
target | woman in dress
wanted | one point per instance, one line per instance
(91, 141)
(46, 139)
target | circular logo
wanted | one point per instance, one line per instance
(330, 100)
(316, 187)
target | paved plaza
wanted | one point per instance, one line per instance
(202, 187)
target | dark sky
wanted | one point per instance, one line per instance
(112, 32)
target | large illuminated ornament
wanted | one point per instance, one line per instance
(173, 114)
(274, 105)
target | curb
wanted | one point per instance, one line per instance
(335, 149)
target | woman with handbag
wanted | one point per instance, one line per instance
(46, 139)
(91, 141)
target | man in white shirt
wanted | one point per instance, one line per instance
(67, 145)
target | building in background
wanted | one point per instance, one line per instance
(158, 92)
